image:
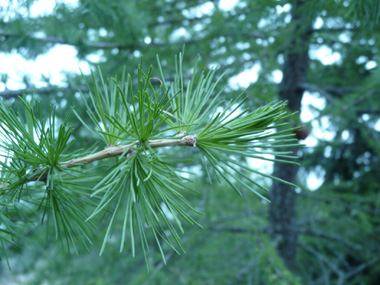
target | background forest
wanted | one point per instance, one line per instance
(320, 56)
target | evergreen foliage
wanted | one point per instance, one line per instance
(141, 186)
(336, 226)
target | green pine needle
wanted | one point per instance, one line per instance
(141, 192)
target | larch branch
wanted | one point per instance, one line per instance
(113, 151)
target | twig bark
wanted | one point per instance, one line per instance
(112, 151)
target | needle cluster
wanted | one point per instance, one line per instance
(141, 190)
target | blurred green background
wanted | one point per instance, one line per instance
(321, 56)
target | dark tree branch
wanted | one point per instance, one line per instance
(320, 257)
(54, 40)
(232, 229)
(335, 30)
(308, 232)
(372, 112)
(101, 45)
(7, 94)
(110, 45)
(239, 216)
(205, 196)
(178, 20)
(228, 16)
(353, 105)
(341, 203)
(360, 268)
(244, 271)
(161, 264)
(238, 230)
(167, 11)
(310, 221)
(323, 235)
(330, 91)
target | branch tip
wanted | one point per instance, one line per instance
(190, 140)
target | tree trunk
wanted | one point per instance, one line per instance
(283, 225)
